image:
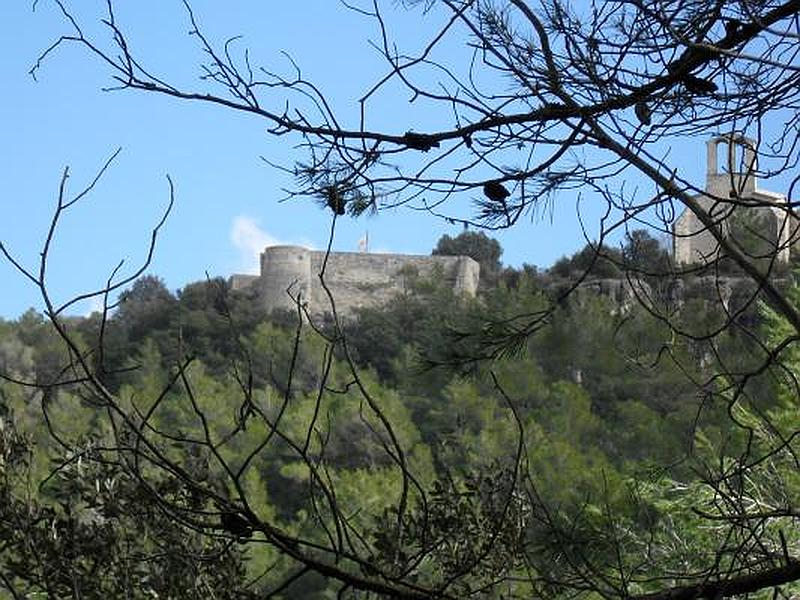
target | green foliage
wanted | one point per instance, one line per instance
(92, 532)
(598, 262)
(645, 254)
(484, 505)
(146, 308)
(417, 320)
(531, 462)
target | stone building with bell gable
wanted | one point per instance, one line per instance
(760, 221)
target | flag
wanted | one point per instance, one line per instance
(363, 243)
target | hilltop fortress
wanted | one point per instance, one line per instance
(356, 279)
(759, 220)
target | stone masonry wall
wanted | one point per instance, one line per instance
(355, 279)
(364, 280)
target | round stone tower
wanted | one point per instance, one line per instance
(285, 277)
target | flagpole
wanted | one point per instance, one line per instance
(363, 243)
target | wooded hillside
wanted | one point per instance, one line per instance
(545, 468)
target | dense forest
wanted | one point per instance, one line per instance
(620, 429)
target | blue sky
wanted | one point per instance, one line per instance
(228, 201)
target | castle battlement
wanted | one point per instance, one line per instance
(355, 279)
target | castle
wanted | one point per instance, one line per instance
(760, 221)
(355, 280)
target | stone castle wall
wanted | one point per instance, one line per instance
(355, 280)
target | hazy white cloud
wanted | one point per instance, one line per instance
(91, 305)
(250, 240)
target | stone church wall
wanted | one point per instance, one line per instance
(757, 219)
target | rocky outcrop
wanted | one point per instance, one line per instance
(622, 292)
(732, 293)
